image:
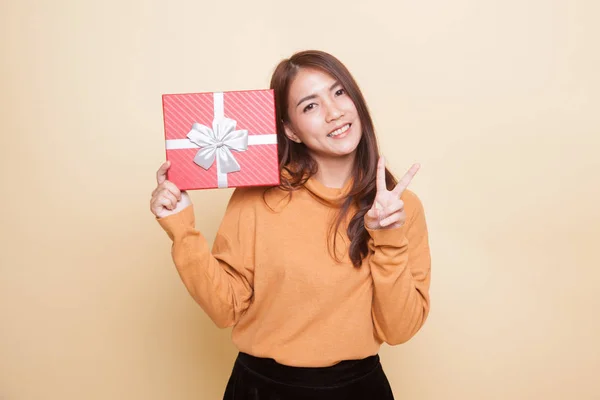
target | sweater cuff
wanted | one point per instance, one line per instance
(388, 236)
(176, 224)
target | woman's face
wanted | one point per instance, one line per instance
(322, 116)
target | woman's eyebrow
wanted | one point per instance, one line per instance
(314, 96)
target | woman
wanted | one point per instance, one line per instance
(313, 275)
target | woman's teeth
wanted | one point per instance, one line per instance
(339, 131)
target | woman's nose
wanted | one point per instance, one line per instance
(333, 113)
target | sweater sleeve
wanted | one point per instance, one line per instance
(221, 280)
(400, 264)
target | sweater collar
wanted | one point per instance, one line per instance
(327, 195)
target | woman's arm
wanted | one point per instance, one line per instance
(220, 280)
(400, 265)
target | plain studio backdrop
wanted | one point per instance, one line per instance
(498, 100)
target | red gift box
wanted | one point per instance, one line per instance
(221, 139)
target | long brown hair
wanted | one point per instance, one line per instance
(295, 159)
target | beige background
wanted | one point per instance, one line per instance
(497, 99)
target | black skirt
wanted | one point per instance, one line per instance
(254, 378)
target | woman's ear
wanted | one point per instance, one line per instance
(289, 132)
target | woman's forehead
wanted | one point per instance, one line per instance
(310, 81)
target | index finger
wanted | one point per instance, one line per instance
(161, 174)
(406, 179)
(381, 186)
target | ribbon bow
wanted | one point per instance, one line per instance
(218, 143)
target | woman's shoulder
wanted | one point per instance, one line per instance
(410, 196)
(245, 196)
(412, 202)
(257, 197)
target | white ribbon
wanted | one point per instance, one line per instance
(218, 142)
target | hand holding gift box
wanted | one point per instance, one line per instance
(222, 139)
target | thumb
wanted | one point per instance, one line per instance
(161, 174)
(373, 213)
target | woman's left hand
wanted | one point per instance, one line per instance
(388, 210)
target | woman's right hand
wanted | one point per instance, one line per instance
(167, 199)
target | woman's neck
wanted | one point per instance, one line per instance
(334, 172)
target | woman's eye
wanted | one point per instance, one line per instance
(340, 92)
(309, 107)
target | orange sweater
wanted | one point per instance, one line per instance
(271, 276)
